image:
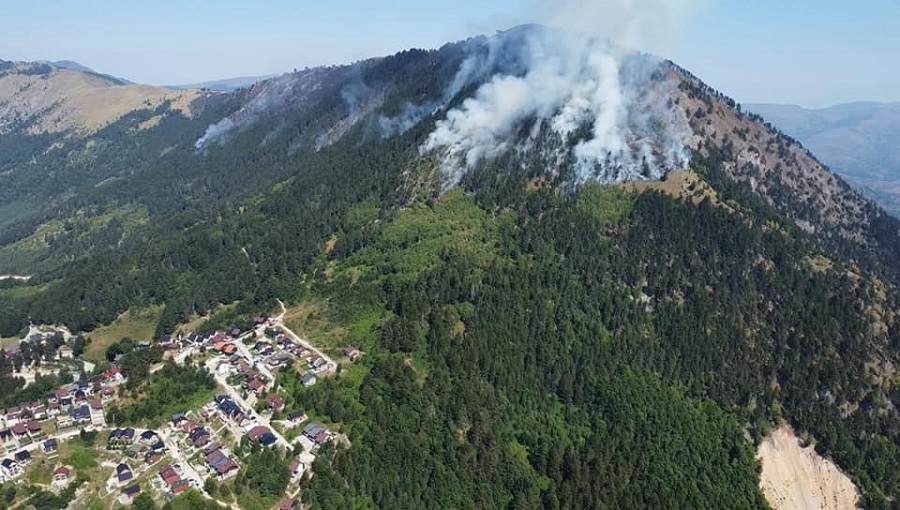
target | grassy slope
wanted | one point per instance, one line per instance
(136, 324)
(23, 256)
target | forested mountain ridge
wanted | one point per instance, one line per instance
(533, 339)
(788, 177)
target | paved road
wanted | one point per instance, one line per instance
(248, 409)
(65, 436)
(188, 470)
(260, 364)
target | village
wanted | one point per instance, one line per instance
(196, 445)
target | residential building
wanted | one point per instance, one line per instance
(132, 491)
(61, 475)
(23, 457)
(124, 474)
(10, 468)
(50, 446)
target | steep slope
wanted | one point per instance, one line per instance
(795, 478)
(857, 140)
(788, 177)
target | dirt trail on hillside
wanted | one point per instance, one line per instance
(796, 478)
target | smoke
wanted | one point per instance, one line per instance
(215, 132)
(265, 97)
(355, 92)
(605, 106)
(653, 26)
(485, 56)
(410, 115)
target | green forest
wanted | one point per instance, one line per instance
(519, 348)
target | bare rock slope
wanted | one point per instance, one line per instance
(797, 478)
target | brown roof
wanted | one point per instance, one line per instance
(169, 475)
(257, 431)
(226, 467)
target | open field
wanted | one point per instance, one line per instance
(135, 324)
(309, 319)
(678, 184)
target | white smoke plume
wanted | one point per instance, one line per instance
(266, 96)
(215, 132)
(407, 119)
(652, 26)
(485, 56)
(583, 88)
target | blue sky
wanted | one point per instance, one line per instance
(813, 53)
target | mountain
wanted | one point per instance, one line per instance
(40, 97)
(75, 66)
(857, 140)
(580, 277)
(223, 85)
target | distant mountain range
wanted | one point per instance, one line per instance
(223, 85)
(219, 85)
(75, 66)
(860, 141)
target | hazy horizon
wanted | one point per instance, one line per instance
(763, 52)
